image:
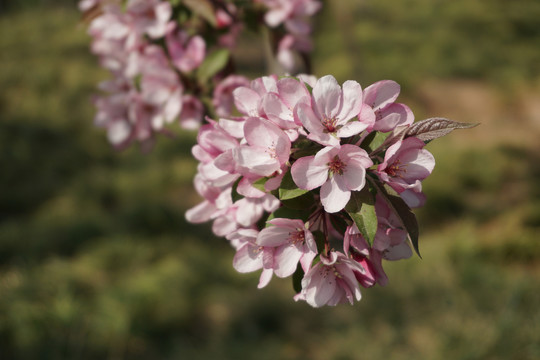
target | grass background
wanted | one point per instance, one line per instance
(97, 261)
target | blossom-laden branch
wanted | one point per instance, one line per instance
(312, 179)
(319, 180)
(171, 61)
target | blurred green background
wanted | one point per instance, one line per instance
(97, 261)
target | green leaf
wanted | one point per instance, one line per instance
(339, 223)
(297, 278)
(234, 194)
(302, 202)
(285, 212)
(361, 209)
(320, 240)
(214, 62)
(259, 184)
(202, 8)
(288, 189)
(402, 211)
(373, 141)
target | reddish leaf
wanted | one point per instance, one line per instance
(433, 128)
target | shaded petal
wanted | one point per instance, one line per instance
(307, 117)
(293, 92)
(327, 94)
(308, 176)
(247, 259)
(246, 101)
(334, 194)
(274, 236)
(352, 101)
(266, 276)
(351, 128)
(286, 260)
(381, 93)
(354, 176)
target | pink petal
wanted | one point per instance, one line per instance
(200, 213)
(308, 176)
(354, 177)
(274, 236)
(251, 161)
(307, 117)
(327, 94)
(247, 259)
(293, 92)
(266, 276)
(334, 194)
(392, 116)
(352, 101)
(381, 93)
(351, 128)
(286, 260)
(246, 101)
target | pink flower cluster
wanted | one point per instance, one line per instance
(155, 55)
(294, 16)
(287, 182)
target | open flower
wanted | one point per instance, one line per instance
(406, 163)
(379, 102)
(267, 149)
(337, 170)
(292, 242)
(333, 113)
(331, 281)
(250, 256)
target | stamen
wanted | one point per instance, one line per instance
(336, 166)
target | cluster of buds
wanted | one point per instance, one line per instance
(171, 60)
(316, 181)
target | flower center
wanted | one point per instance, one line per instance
(272, 151)
(296, 237)
(329, 124)
(396, 169)
(337, 166)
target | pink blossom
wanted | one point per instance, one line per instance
(251, 256)
(356, 248)
(267, 149)
(192, 112)
(331, 281)
(213, 145)
(292, 242)
(337, 170)
(390, 243)
(216, 199)
(244, 213)
(334, 111)
(284, 11)
(223, 99)
(187, 53)
(150, 16)
(380, 100)
(278, 106)
(405, 165)
(248, 99)
(160, 86)
(212, 141)
(85, 5)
